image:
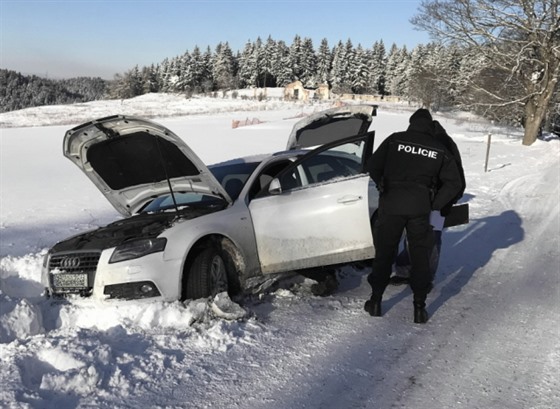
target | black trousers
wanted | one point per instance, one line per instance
(403, 258)
(387, 233)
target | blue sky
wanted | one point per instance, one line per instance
(68, 38)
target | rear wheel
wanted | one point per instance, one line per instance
(206, 274)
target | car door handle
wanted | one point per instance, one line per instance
(349, 199)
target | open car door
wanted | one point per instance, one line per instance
(316, 211)
(331, 125)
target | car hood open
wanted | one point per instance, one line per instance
(331, 125)
(133, 160)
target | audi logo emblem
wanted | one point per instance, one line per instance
(70, 262)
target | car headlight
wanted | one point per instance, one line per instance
(137, 248)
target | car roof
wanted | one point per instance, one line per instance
(261, 157)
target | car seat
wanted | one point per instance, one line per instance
(233, 187)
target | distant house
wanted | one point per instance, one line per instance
(296, 91)
(322, 92)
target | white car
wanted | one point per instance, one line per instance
(191, 231)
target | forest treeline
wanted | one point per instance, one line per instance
(19, 91)
(431, 75)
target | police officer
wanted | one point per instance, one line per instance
(407, 167)
(437, 218)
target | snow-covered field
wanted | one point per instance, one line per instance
(492, 340)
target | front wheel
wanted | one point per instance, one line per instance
(206, 274)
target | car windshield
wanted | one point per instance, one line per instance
(232, 176)
(188, 199)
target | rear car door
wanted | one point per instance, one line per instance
(316, 211)
(331, 125)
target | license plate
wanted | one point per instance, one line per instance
(70, 280)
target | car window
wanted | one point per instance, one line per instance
(341, 161)
(260, 185)
(321, 133)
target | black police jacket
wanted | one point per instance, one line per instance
(414, 172)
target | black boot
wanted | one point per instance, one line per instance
(373, 306)
(420, 313)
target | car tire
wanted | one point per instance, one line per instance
(206, 274)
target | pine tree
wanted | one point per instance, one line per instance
(269, 62)
(149, 79)
(308, 63)
(296, 57)
(185, 74)
(359, 71)
(223, 67)
(377, 64)
(344, 59)
(396, 72)
(248, 65)
(283, 71)
(324, 63)
(339, 70)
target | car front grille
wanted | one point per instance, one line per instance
(73, 272)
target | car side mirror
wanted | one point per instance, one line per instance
(274, 188)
